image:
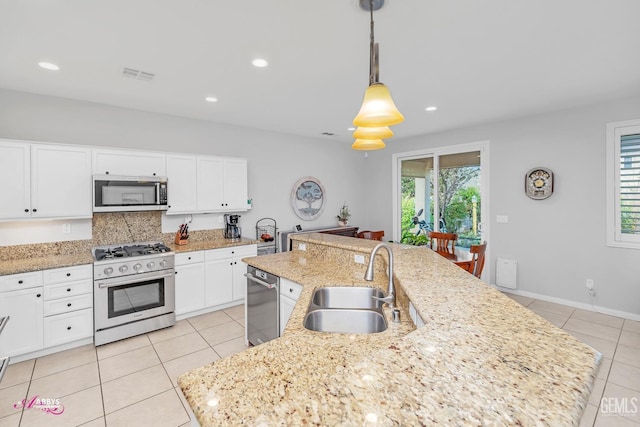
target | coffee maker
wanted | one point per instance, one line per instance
(231, 229)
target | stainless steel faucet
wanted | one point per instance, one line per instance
(368, 276)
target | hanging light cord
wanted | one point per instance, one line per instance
(373, 53)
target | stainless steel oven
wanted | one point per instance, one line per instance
(134, 291)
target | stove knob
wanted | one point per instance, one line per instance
(137, 266)
(163, 263)
(123, 268)
(108, 270)
(151, 264)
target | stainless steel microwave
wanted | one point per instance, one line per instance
(129, 193)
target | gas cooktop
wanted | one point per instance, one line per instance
(104, 253)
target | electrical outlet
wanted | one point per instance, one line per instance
(302, 246)
(359, 259)
(590, 284)
(188, 219)
(66, 228)
(503, 219)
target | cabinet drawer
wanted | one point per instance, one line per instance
(290, 289)
(63, 290)
(14, 282)
(189, 257)
(68, 274)
(231, 252)
(65, 328)
(66, 305)
(245, 251)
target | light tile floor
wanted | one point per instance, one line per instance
(133, 382)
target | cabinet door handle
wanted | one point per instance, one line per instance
(20, 282)
(68, 289)
(106, 172)
(68, 328)
(68, 274)
(35, 210)
(68, 304)
(154, 174)
(38, 295)
(26, 210)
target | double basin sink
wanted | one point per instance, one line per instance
(346, 309)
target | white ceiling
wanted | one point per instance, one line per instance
(476, 60)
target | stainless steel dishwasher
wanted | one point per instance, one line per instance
(263, 306)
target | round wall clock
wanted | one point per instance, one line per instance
(308, 198)
(538, 183)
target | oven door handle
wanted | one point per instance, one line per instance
(129, 282)
(261, 282)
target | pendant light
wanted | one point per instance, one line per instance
(378, 109)
(368, 144)
(364, 132)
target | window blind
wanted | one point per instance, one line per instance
(630, 184)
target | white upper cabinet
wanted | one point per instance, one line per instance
(181, 184)
(210, 184)
(60, 181)
(15, 173)
(129, 163)
(45, 181)
(235, 184)
(198, 184)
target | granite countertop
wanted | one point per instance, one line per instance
(35, 262)
(204, 245)
(27, 264)
(480, 359)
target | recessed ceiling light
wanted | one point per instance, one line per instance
(211, 99)
(432, 108)
(48, 66)
(260, 62)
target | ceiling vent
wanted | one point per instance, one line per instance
(137, 74)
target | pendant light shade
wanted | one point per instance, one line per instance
(368, 144)
(373, 133)
(378, 109)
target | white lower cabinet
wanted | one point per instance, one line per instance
(46, 308)
(68, 327)
(210, 278)
(289, 293)
(224, 272)
(68, 304)
(23, 332)
(189, 268)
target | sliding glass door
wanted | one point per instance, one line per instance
(440, 190)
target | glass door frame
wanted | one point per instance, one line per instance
(436, 152)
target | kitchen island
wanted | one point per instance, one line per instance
(480, 359)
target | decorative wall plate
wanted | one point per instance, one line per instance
(308, 198)
(538, 183)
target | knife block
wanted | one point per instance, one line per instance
(178, 240)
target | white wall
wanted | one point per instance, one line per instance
(276, 161)
(558, 242)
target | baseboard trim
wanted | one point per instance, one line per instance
(583, 306)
